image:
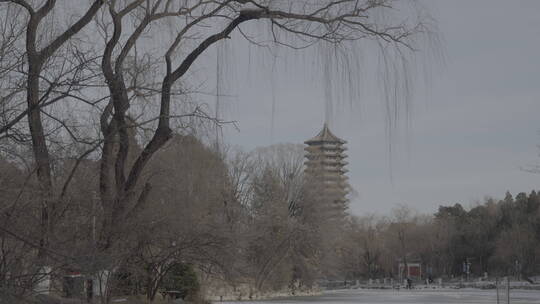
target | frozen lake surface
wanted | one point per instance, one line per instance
(363, 296)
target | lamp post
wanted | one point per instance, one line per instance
(467, 268)
(94, 202)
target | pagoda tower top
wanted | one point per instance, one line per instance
(325, 136)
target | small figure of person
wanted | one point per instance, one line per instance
(409, 283)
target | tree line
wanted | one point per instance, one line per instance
(495, 237)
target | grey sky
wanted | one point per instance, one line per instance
(471, 128)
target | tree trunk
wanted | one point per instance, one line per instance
(41, 154)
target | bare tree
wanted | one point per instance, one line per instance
(400, 228)
(37, 53)
(121, 187)
(144, 84)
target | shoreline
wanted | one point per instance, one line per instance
(263, 296)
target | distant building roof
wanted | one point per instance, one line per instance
(325, 136)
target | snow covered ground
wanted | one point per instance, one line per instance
(421, 296)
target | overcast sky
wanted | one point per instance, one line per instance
(471, 127)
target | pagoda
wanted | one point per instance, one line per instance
(325, 168)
